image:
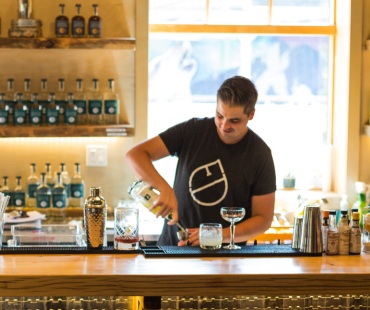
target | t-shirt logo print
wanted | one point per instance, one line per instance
(208, 184)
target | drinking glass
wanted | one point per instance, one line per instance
(126, 228)
(210, 236)
(232, 215)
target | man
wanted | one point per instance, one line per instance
(221, 162)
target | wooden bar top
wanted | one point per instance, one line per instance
(135, 275)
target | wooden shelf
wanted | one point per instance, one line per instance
(68, 43)
(67, 131)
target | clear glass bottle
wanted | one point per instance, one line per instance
(52, 111)
(43, 97)
(59, 199)
(343, 230)
(95, 218)
(95, 24)
(19, 196)
(79, 99)
(5, 189)
(20, 111)
(360, 203)
(61, 99)
(355, 235)
(4, 111)
(95, 104)
(10, 99)
(332, 235)
(61, 23)
(50, 180)
(27, 94)
(35, 114)
(111, 105)
(78, 23)
(70, 113)
(43, 195)
(325, 227)
(32, 184)
(77, 188)
(65, 179)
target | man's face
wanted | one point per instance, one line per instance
(231, 122)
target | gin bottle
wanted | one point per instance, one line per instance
(35, 111)
(77, 188)
(79, 99)
(59, 198)
(70, 114)
(20, 111)
(43, 195)
(65, 179)
(4, 111)
(78, 23)
(95, 24)
(95, 104)
(19, 196)
(50, 180)
(10, 99)
(52, 111)
(61, 23)
(111, 105)
(27, 94)
(43, 97)
(61, 99)
(32, 184)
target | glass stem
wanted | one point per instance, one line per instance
(232, 232)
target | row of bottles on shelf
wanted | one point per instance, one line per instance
(47, 190)
(60, 107)
(77, 26)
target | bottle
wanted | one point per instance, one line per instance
(95, 104)
(20, 111)
(343, 204)
(27, 94)
(343, 230)
(43, 195)
(52, 111)
(360, 203)
(35, 111)
(332, 238)
(65, 179)
(5, 189)
(43, 98)
(10, 99)
(95, 24)
(50, 180)
(146, 195)
(70, 113)
(95, 216)
(61, 24)
(19, 196)
(32, 185)
(325, 227)
(79, 99)
(77, 188)
(78, 23)
(355, 235)
(61, 99)
(111, 105)
(4, 111)
(59, 199)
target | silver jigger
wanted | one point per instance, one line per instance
(311, 239)
(297, 232)
(25, 8)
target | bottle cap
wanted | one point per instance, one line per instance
(325, 213)
(355, 216)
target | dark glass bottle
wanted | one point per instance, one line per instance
(78, 23)
(35, 111)
(20, 111)
(4, 111)
(61, 23)
(95, 24)
(52, 111)
(70, 113)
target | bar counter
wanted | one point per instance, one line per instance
(135, 275)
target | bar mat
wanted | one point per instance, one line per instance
(265, 250)
(64, 250)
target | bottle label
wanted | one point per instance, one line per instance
(78, 27)
(43, 201)
(70, 116)
(61, 27)
(77, 190)
(19, 199)
(111, 107)
(95, 27)
(52, 116)
(35, 116)
(31, 188)
(95, 107)
(10, 104)
(4, 117)
(355, 240)
(19, 117)
(81, 106)
(59, 200)
(332, 242)
(344, 241)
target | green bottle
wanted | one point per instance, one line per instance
(360, 203)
